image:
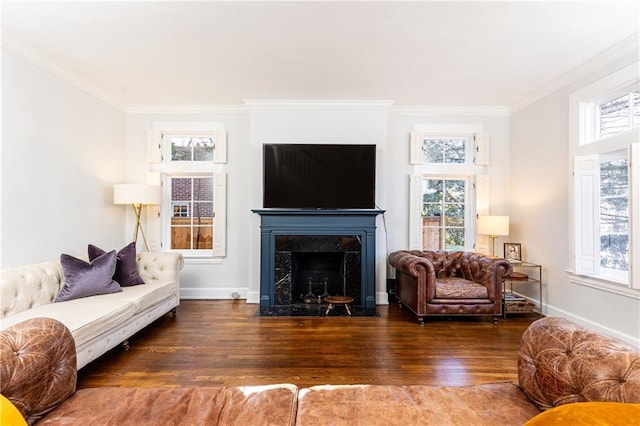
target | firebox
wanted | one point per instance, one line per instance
(309, 268)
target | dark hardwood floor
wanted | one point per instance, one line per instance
(222, 343)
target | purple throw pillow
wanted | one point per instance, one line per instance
(126, 271)
(82, 279)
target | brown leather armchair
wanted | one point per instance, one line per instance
(441, 283)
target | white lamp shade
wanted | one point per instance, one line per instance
(493, 225)
(130, 193)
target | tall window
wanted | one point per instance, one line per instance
(193, 213)
(192, 217)
(605, 121)
(444, 207)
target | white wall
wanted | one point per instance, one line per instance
(62, 150)
(540, 210)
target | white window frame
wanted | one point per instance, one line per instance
(472, 171)
(163, 169)
(586, 150)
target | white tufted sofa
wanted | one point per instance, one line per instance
(97, 323)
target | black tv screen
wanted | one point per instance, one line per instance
(319, 176)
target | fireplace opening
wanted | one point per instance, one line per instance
(316, 276)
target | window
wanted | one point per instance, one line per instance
(605, 118)
(452, 150)
(443, 195)
(193, 213)
(179, 209)
(192, 148)
(614, 213)
(444, 208)
(188, 158)
(619, 114)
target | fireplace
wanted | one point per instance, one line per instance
(306, 255)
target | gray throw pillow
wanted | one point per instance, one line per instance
(84, 279)
(126, 269)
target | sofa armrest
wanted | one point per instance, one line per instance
(159, 266)
(38, 366)
(560, 362)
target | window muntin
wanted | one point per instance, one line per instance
(614, 213)
(444, 207)
(195, 230)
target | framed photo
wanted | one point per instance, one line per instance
(513, 252)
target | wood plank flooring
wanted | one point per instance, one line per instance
(222, 343)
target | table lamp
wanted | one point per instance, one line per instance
(493, 226)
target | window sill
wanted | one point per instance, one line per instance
(610, 286)
(202, 260)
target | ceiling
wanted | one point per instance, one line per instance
(445, 53)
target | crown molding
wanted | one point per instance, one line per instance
(40, 60)
(186, 109)
(625, 47)
(282, 104)
(493, 111)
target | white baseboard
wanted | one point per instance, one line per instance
(551, 311)
(213, 293)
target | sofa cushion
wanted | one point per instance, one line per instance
(486, 404)
(250, 405)
(146, 295)
(459, 288)
(86, 321)
(82, 279)
(126, 272)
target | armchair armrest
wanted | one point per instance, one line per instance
(38, 366)
(411, 264)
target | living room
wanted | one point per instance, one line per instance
(74, 126)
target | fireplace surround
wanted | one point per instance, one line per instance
(306, 255)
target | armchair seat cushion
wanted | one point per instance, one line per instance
(459, 288)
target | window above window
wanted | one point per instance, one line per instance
(186, 148)
(617, 115)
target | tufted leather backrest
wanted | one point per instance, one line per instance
(471, 266)
(560, 362)
(37, 366)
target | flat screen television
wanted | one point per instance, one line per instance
(319, 176)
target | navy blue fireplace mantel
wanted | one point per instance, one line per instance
(360, 223)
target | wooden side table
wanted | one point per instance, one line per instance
(338, 300)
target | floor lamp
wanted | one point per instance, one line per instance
(137, 196)
(493, 226)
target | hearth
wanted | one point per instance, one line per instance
(307, 255)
